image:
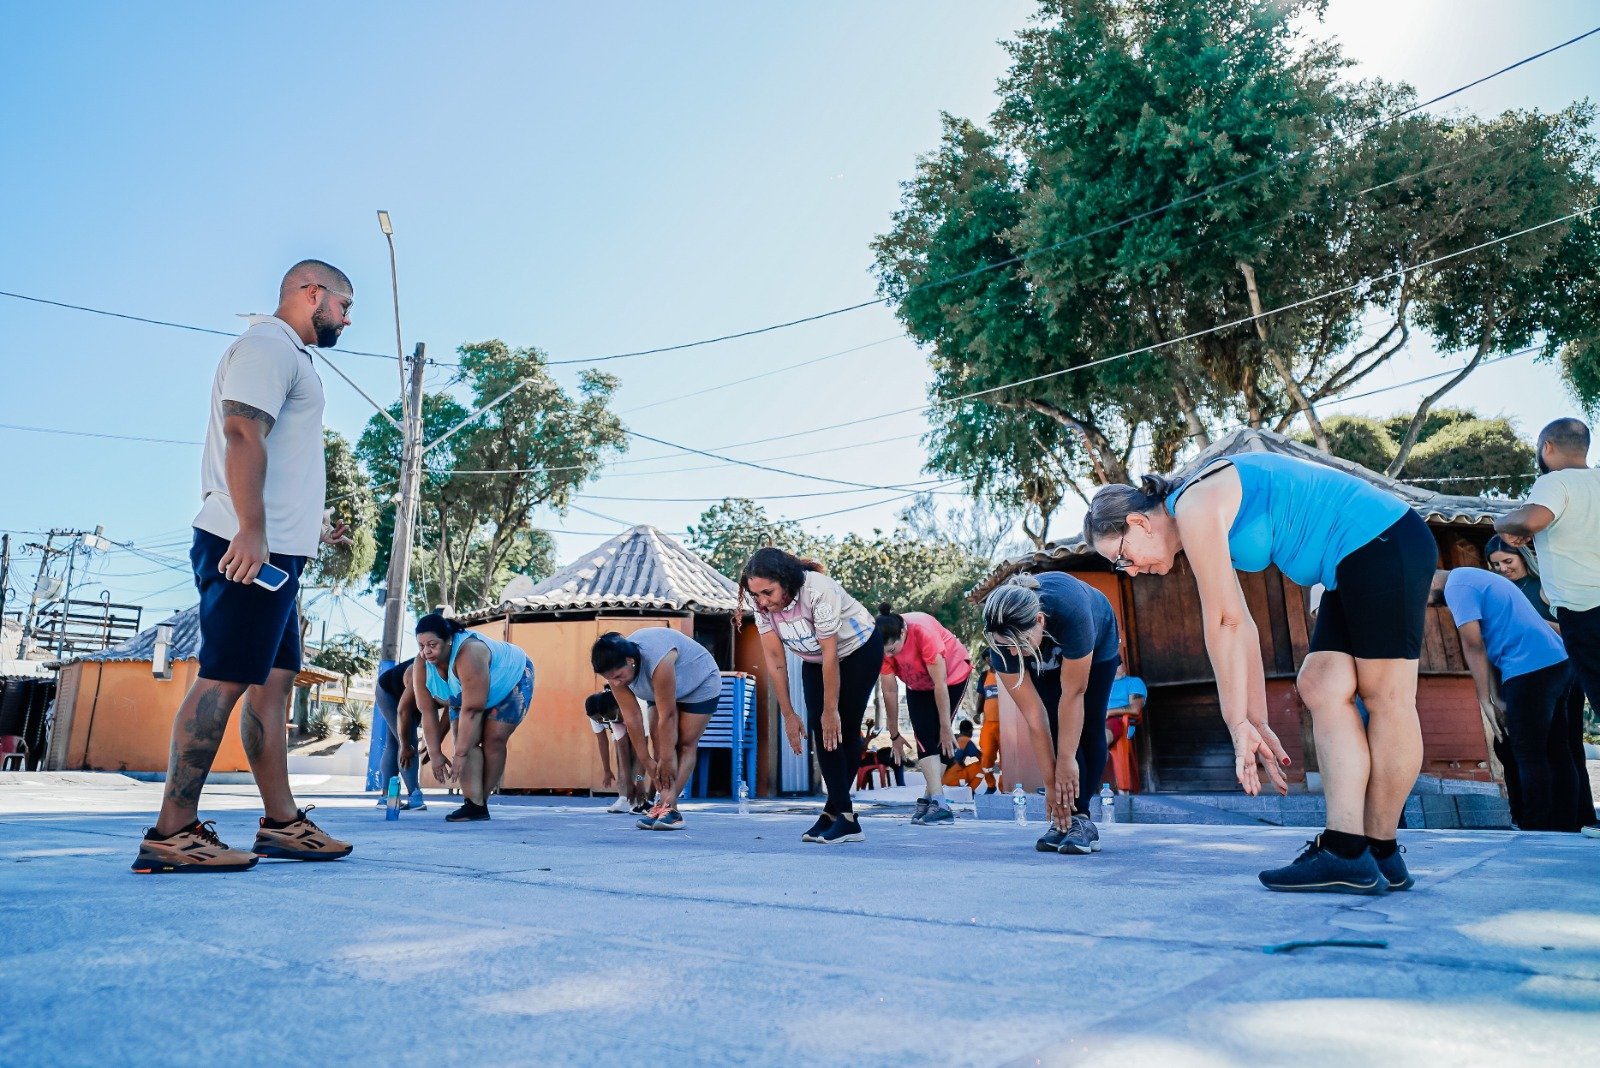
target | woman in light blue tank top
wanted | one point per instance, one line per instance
(1318, 525)
(487, 686)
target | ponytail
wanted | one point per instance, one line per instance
(1009, 613)
(1112, 505)
(891, 625)
(611, 651)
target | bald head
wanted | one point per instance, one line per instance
(1564, 444)
(313, 273)
(315, 300)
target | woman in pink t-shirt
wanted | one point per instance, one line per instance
(802, 610)
(932, 662)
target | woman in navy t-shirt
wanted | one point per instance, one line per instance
(1053, 645)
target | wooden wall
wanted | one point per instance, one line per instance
(554, 749)
(1164, 644)
(128, 725)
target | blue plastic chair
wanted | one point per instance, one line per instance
(733, 727)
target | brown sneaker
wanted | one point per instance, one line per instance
(299, 840)
(195, 848)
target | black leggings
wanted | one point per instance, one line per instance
(858, 674)
(924, 710)
(1092, 743)
(1553, 795)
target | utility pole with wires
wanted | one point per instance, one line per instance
(399, 580)
(411, 448)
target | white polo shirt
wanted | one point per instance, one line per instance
(270, 368)
(1569, 548)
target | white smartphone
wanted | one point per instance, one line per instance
(269, 577)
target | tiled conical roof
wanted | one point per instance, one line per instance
(640, 568)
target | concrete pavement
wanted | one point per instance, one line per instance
(557, 934)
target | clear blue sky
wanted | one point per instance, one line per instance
(585, 178)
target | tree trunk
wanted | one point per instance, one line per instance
(1107, 467)
(1296, 394)
(1191, 418)
(1409, 441)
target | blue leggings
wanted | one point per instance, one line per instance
(389, 766)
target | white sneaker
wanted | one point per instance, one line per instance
(620, 805)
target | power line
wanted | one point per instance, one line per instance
(767, 374)
(1218, 187)
(1168, 343)
(759, 467)
(94, 434)
(190, 327)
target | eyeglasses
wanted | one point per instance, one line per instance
(331, 292)
(1120, 562)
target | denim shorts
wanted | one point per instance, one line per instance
(512, 708)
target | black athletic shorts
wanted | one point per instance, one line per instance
(1381, 602)
(924, 713)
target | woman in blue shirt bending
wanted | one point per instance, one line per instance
(1376, 558)
(488, 686)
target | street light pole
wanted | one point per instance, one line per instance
(399, 577)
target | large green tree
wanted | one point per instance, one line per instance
(1157, 169)
(483, 482)
(912, 571)
(351, 498)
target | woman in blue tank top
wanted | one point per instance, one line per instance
(487, 685)
(1376, 557)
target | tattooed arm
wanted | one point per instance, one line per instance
(246, 428)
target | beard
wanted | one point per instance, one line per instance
(1538, 460)
(327, 327)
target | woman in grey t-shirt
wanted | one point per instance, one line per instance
(671, 670)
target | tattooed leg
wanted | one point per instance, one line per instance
(196, 732)
(262, 722)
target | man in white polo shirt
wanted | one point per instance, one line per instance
(262, 489)
(1562, 520)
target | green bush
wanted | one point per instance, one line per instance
(353, 725)
(1471, 457)
(318, 726)
(1359, 439)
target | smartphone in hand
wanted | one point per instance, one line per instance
(269, 577)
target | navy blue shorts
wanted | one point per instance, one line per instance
(245, 631)
(708, 707)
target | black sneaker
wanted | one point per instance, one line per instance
(1394, 871)
(824, 821)
(1051, 842)
(843, 829)
(468, 813)
(1320, 871)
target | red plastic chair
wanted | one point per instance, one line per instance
(13, 753)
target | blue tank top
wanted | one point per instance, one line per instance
(1302, 516)
(506, 664)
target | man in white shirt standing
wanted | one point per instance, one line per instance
(262, 489)
(1562, 521)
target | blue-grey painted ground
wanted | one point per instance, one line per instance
(557, 934)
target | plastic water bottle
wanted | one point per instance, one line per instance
(1019, 804)
(1108, 804)
(744, 799)
(391, 808)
